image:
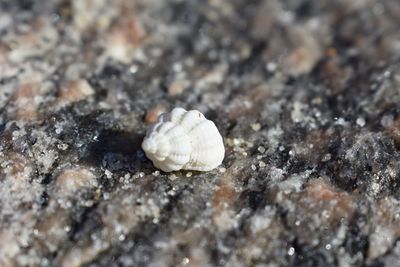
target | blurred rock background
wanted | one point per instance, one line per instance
(305, 93)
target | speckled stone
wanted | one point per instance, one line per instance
(305, 93)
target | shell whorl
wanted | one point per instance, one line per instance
(184, 140)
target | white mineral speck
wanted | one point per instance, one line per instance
(108, 174)
(121, 237)
(360, 122)
(271, 66)
(326, 157)
(261, 149)
(375, 187)
(133, 69)
(276, 174)
(35, 232)
(89, 203)
(58, 130)
(62, 146)
(341, 121)
(297, 112)
(172, 177)
(291, 251)
(177, 67)
(236, 141)
(185, 261)
(256, 127)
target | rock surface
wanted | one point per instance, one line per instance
(305, 93)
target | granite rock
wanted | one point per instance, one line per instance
(305, 93)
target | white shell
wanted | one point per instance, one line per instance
(184, 140)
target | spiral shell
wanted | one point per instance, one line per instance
(184, 140)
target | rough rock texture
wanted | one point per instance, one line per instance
(305, 93)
